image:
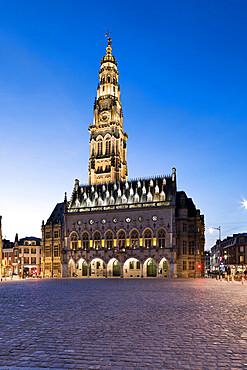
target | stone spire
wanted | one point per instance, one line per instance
(107, 161)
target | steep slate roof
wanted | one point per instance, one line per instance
(29, 238)
(136, 192)
(57, 214)
(188, 203)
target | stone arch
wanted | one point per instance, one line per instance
(97, 268)
(109, 239)
(73, 240)
(97, 239)
(113, 268)
(161, 238)
(121, 239)
(132, 268)
(134, 238)
(85, 240)
(147, 238)
(71, 267)
(164, 268)
(81, 267)
(150, 268)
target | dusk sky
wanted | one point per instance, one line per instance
(182, 67)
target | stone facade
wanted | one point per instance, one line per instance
(119, 228)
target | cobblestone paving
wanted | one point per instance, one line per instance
(114, 324)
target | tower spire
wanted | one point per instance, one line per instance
(107, 161)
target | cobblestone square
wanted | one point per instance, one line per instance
(123, 323)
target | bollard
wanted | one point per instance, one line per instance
(220, 277)
(242, 280)
(232, 279)
(228, 278)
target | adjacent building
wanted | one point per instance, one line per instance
(114, 226)
(232, 254)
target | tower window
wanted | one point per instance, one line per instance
(108, 79)
(107, 147)
(100, 147)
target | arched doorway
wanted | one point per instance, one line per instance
(97, 268)
(150, 268)
(82, 267)
(113, 268)
(164, 268)
(71, 268)
(132, 268)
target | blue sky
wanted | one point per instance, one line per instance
(183, 82)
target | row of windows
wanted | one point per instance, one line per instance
(121, 239)
(27, 250)
(108, 80)
(31, 260)
(191, 265)
(48, 251)
(56, 234)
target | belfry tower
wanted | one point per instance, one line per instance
(107, 161)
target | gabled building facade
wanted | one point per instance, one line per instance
(118, 227)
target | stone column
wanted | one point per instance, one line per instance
(121, 266)
(141, 270)
(157, 274)
(65, 271)
(88, 270)
(173, 270)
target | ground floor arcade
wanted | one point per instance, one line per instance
(130, 268)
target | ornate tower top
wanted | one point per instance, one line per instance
(108, 140)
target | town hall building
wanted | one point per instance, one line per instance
(114, 226)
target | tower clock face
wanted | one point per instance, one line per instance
(104, 116)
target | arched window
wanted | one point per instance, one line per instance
(109, 240)
(107, 146)
(100, 147)
(85, 240)
(114, 81)
(103, 80)
(108, 79)
(147, 239)
(121, 240)
(161, 238)
(74, 241)
(97, 240)
(134, 239)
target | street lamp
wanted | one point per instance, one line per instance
(211, 230)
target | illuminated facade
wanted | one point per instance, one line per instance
(115, 227)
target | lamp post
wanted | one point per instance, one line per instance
(211, 229)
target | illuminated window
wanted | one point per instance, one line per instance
(121, 239)
(147, 239)
(85, 240)
(161, 238)
(97, 240)
(74, 241)
(109, 240)
(134, 239)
